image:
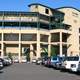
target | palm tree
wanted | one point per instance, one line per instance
(45, 53)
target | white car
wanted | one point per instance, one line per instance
(15, 60)
(39, 61)
(71, 63)
(78, 67)
(23, 59)
(33, 60)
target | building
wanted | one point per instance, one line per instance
(55, 30)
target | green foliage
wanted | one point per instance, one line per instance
(53, 51)
(28, 56)
(10, 55)
(44, 54)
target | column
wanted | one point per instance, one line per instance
(2, 46)
(49, 45)
(38, 45)
(19, 56)
(60, 43)
(31, 52)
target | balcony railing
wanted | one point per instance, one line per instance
(60, 26)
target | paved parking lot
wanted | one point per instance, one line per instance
(26, 71)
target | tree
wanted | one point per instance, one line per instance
(27, 53)
(53, 51)
(10, 55)
(45, 53)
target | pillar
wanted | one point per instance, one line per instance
(61, 44)
(38, 45)
(19, 56)
(31, 52)
(49, 46)
(2, 46)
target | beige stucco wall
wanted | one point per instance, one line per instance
(72, 17)
(40, 9)
(12, 49)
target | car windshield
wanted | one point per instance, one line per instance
(54, 58)
(61, 59)
(72, 58)
(6, 58)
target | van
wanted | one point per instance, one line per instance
(71, 63)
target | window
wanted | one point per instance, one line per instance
(36, 6)
(79, 39)
(55, 37)
(79, 48)
(72, 58)
(47, 11)
(28, 37)
(79, 30)
(75, 21)
(75, 14)
(43, 38)
(11, 37)
(54, 58)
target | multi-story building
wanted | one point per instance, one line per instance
(55, 30)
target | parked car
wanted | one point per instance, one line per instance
(78, 69)
(47, 62)
(44, 59)
(39, 61)
(56, 61)
(59, 62)
(15, 60)
(33, 60)
(3, 61)
(71, 64)
(8, 61)
(23, 59)
(1, 65)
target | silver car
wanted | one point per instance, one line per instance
(78, 67)
(1, 65)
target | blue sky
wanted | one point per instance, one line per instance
(21, 5)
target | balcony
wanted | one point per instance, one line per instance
(6, 16)
(60, 26)
(11, 37)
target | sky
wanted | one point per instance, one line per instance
(22, 5)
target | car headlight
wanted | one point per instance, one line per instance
(73, 65)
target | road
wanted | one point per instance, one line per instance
(28, 71)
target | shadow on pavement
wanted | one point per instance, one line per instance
(63, 70)
(1, 71)
(78, 73)
(70, 72)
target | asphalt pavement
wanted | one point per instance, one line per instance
(29, 71)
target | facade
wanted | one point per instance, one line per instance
(56, 31)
